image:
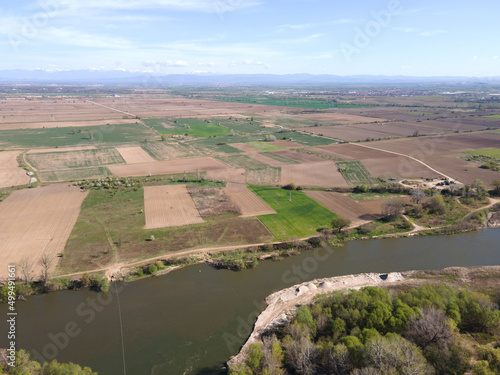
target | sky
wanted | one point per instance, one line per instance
(389, 37)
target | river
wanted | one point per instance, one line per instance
(192, 320)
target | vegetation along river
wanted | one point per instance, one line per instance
(191, 320)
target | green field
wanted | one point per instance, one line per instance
(60, 137)
(279, 158)
(193, 127)
(490, 152)
(493, 116)
(305, 139)
(266, 146)
(355, 173)
(420, 113)
(302, 217)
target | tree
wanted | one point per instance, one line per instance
(46, 261)
(392, 208)
(91, 134)
(26, 267)
(255, 356)
(417, 195)
(496, 187)
(480, 188)
(431, 328)
(163, 137)
(273, 356)
(436, 205)
(340, 223)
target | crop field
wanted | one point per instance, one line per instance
(340, 118)
(358, 213)
(299, 157)
(322, 173)
(195, 128)
(10, 172)
(73, 174)
(300, 217)
(242, 161)
(279, 158)
(281, 102)
(442, 153)
(35, 222)
(493, 116)
(305, 139)
(491, 152)
(168, 150)
(61, 137)
(54, 161)
(110, 228)
(355, 173)
(390, 130)
(167, 167)
(242, 125)
(273, 162)
(228, 175)
(133, 155)
(169, 206)
(265, 146)
(248, 203)
(62, 149)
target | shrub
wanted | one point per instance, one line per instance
(152, 269)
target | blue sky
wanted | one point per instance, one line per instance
(390, 37)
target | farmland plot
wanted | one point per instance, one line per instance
(248, 203)
(54, 161)
(355, 173)
(169, 206)
(36, 222)
(134, 155)
(322, 173)
(10, 172)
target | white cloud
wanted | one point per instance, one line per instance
(407, 29)
(168, 63)
(303, 26)
(432, 33)
(70, 36)
(249, 62)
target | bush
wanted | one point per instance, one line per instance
(152, 269)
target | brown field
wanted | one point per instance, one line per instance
(266, 159)
(167, 167)
(445, 153)
(287, 144)
(169, 206)
(379, 163)
(228, 175)
(36, 222)
(339, 118)
(134, 155)
(390, 130)
(322, 173)
(357, 212)
(298, 156)
(65, 124)
(10, 172)
(248, 203)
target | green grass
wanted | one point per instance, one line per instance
(243, 161)
(302, 217)
(279, 158)
(490, 152)
(493, 116)
(195, 128)
(355, 173)
(305, 139)
(266, 146)
(60, 137)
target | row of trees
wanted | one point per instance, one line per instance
(374, 332)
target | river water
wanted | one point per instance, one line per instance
(192, 320)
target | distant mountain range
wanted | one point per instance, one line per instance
(120, 77)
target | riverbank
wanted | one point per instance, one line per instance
(281, 304)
